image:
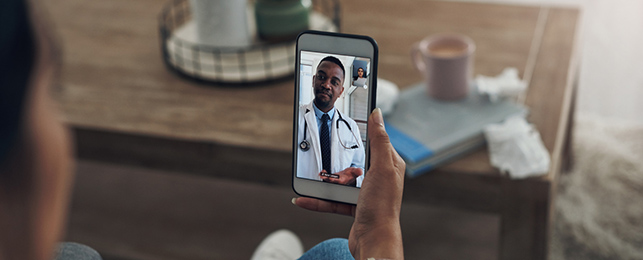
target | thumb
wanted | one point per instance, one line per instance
(379, 140)
(357, 172)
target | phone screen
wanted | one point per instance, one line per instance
(334, 101)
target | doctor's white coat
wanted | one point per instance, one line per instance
(309, 163)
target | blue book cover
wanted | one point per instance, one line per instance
(427, 132)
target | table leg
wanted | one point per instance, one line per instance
(568, 151)
(525, 218)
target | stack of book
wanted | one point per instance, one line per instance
(428, 133)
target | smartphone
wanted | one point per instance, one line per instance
(335, 92)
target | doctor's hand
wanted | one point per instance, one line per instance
(346, 176)
(376, 229)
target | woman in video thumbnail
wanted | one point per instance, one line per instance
(360, 79)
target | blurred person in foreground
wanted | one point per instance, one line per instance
(35, 151)
(36, 160)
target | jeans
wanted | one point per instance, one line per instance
(75, 251)
(335, 248)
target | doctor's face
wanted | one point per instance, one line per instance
(328, 85)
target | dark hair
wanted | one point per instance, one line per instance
(17, 56)
(334, 60)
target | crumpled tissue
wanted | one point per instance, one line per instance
(515, 147)
(507, 84)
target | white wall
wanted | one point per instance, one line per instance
(611, 50)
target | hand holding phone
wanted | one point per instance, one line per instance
(376, 229)
(334, 93)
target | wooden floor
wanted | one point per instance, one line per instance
(134, 213)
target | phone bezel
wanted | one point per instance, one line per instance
(340, 44)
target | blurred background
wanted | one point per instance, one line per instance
(610, 83)
(131, 209)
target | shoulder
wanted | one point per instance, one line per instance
(304, 107)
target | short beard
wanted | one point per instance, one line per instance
(322, 104)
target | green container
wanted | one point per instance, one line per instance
(281, 20)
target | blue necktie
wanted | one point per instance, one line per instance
(324, 139)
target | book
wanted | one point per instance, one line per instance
(428, 133)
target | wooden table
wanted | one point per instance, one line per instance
(125, 106)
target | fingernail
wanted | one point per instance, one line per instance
(377, 116)
(293, 201)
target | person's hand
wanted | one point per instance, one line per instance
(376, 229)
(346, 176)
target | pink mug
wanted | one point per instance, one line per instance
(446, 61)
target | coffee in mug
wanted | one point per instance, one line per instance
(446, 61)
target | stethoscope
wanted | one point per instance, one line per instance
(305, 145)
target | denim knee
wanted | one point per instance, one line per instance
(335, 248)
(75, 251)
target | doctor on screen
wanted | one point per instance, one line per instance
(330, 147)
